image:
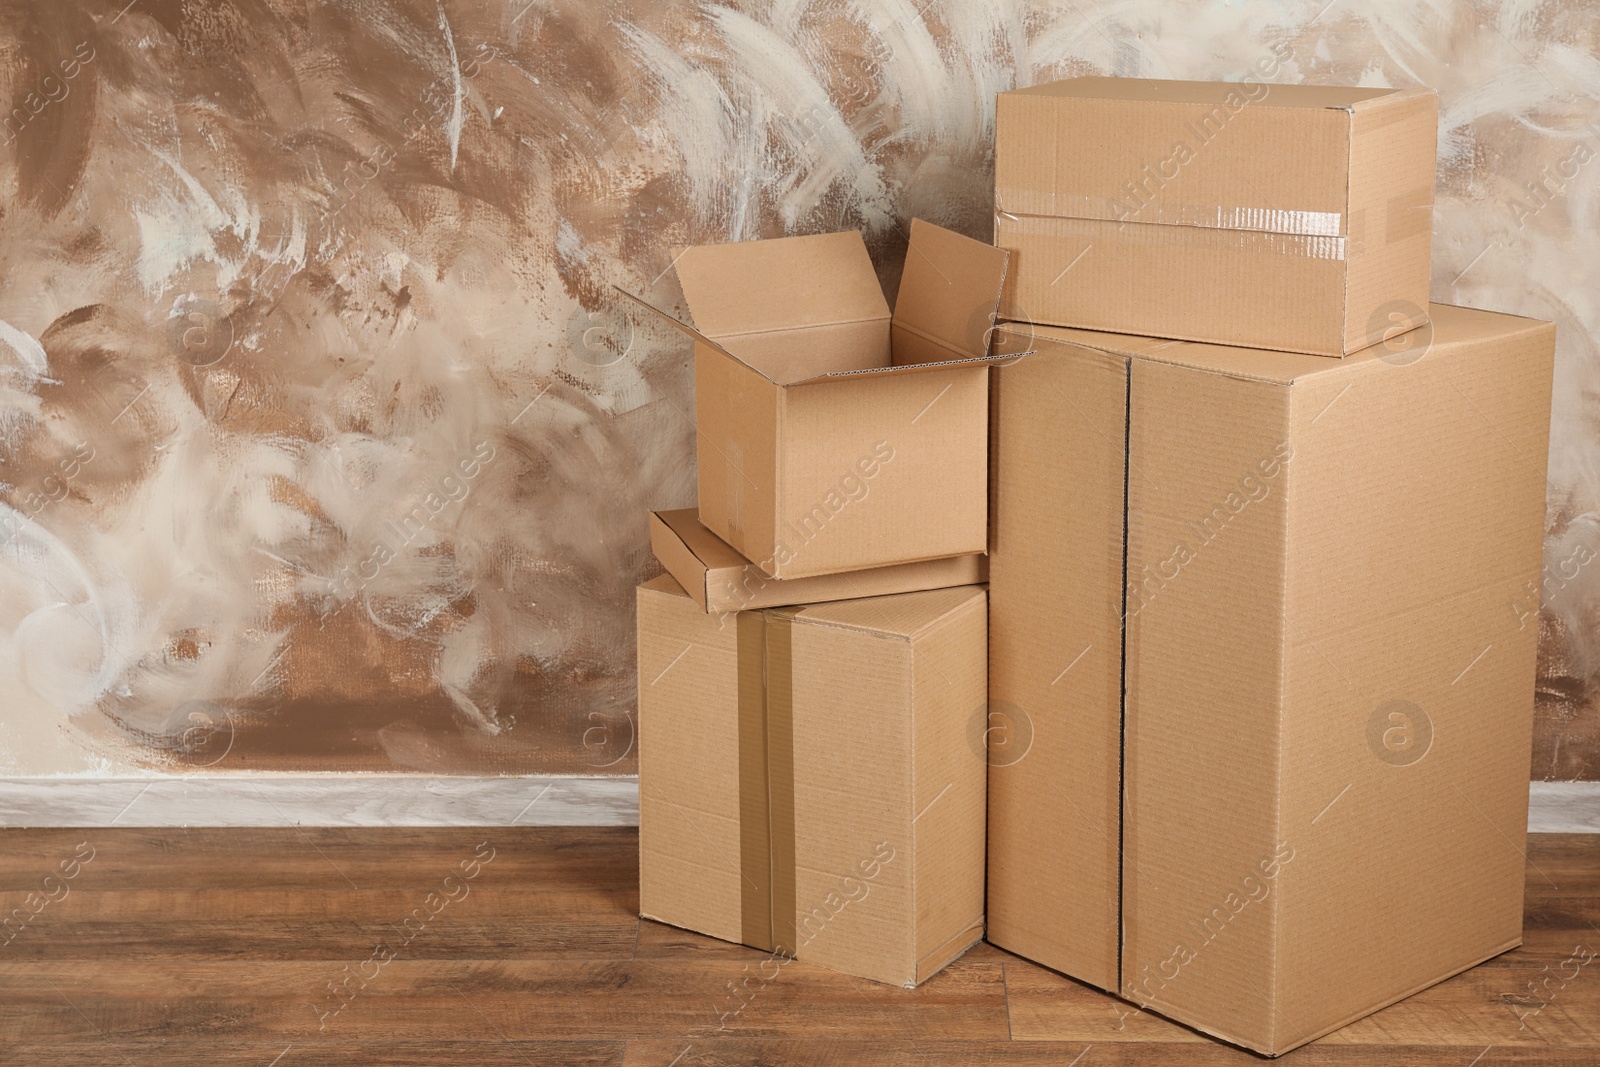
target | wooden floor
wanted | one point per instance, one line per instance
(174, 947)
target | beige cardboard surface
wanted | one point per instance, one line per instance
(1329, 673)
(721, 580)
(831, 436)
(885, 692)
(949, 292)
(1284, 217)
(690, 818)
(838, 816)
(757, 287)
(949, 786)
(737, 446)
(1055, 650)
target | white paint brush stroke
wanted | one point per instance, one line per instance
(453, 126)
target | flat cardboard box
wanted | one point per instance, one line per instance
(1286, 217)
(811, 779)
(1318, 772)
(720, 580)
(833, 436)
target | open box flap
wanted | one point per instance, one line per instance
(784, 283)
(867, 372)
(674, 321)
(949, 294)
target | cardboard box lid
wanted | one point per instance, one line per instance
(743, 296)
(1450, 326)
(703, 552)
(1161, 90)
(905, 616)
(1144, 151)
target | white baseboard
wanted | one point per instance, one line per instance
(1564, 808)
(319, 800)
(405, 800)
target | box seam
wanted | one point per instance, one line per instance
(1349, 196)
(1021, 215)
(780, 459)
(911, 814)
(1122, 715)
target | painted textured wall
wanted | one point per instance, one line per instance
(325, 443)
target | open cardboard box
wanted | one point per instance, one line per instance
(832, 435)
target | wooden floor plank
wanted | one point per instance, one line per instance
(490, 922)
(833, 1053)
(421, 1000)
(492, 1052)
(226, 946)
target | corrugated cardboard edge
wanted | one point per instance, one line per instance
(1399, 96)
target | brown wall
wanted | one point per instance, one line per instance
(326, 442)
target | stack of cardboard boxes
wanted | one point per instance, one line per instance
(813, 666)
(1264, 536)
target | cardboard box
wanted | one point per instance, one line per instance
(1291, 217)
(1330, 601)
(811, 779)
(833, 436)
(720, 580)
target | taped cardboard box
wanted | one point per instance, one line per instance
(720, 580)
(1331, 607)
(1288, 217)
(833, 436)
(811, 779)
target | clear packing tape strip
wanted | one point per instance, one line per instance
(1312, 234)
(1007, 227)
(1156, 211)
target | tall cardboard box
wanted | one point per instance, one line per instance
(1318, 772)
(811, 779)
(833, 436)
(1292, 217)
(720, 580)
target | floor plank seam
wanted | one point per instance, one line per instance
(1005, 993)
